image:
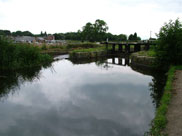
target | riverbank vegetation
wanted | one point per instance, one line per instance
(69, 48)
(149, 53)
(88, 50)
(168, 53)
(169, 47)
(160, 120)
(18, 56)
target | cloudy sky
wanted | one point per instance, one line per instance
(122, 16)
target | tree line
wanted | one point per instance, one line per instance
(95, 32)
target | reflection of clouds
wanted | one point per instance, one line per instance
(51, 122)
(131, 107)
(81, 100)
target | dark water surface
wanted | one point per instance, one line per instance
(93, 99)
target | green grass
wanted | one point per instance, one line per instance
(83, 45)
(150, 53)
(88, 50)
(160, 120)
(18, 56)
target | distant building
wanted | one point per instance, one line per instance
(24, 39)
(50, 37)
(40, 39)
(29, 39)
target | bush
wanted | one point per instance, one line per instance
(15, 56)
(44, 47)
(169, 49)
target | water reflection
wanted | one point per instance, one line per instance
(92, 99)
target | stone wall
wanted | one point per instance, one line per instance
(144, 61)
(87, 55)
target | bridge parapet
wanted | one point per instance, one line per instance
(137, 45)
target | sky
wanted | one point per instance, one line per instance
(60, 16)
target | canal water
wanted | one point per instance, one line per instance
(67, 99)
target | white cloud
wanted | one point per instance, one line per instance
(70, 15)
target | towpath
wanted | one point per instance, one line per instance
(174, 114)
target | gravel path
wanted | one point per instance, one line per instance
(174, 114)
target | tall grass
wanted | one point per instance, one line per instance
(17, 56)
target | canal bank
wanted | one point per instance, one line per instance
(142, 59)
(174, 113)
(168, 119)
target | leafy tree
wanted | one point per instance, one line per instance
(100, 27)
(134, 37)
(5, 32)
(122, 37)
(20, 33)
(59, 36)
(45, 33)
(41, 33)
(88, 32)
(94, 32)
(27, 33)
(169, 49)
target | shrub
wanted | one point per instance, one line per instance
(15, 56)
(169, 49)
(44, 47)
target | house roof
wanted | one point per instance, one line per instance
(24, 39)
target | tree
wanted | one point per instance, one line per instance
(41, 33)
(134, 37)
(122, 37)
(169, 49)
(20, 33)
(45, 33)
(100, 29)
(94, 32)
(88, 32)
(27, 33)
(5, 32)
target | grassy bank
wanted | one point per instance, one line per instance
(150, 53)
(160, 120)
(70, 47)
(83, 45)
(18, 56)
(88, 50)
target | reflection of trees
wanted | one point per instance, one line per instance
(11, 80)
(103, 64)
(157, 87)
(158, 82)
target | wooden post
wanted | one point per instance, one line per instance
(106, 46)
(139, 47)
(113, 48)
(127, 60)
(127, 48)
(120, 61)
(113, 60)
(120, 48)
(147, 46)
(135, 48)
